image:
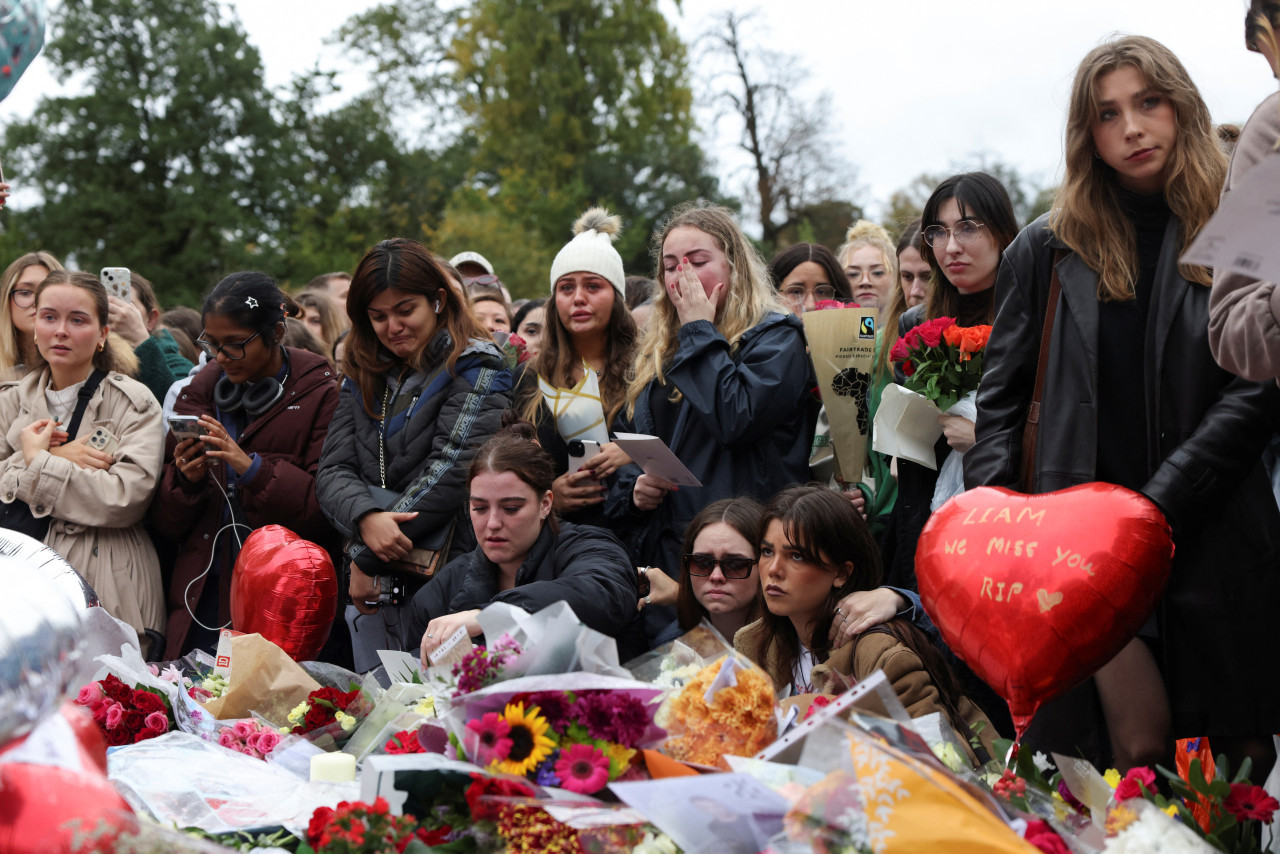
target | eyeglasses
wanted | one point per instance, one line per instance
(965, 232)
(731, 567)
(233, 350)
(796, 296)
(23, 298)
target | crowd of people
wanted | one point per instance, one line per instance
(452, 448)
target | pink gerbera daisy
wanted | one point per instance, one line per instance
(583, 768)
(485, 740)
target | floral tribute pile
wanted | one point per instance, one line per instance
(126, 715)
(941, 360)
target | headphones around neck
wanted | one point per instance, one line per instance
(253, 397)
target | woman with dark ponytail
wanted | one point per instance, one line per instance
(264, 410)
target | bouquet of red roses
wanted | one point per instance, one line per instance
(126, 715)
(326, 706)
(941, 360)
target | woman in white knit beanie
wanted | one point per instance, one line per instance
(573, 390)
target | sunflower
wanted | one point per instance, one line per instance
(529, 742)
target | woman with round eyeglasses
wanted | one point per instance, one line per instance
(806, 274)
(18, 311)
(869, 263)
(263, 414)
(967, 223)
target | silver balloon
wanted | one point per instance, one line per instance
(39, 632)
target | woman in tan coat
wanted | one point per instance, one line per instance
(814, 549)
(1244, 312)
(94, 499)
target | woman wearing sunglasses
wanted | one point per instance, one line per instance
(264, 412)
(18, 312)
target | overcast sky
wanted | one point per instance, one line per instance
(916, 85)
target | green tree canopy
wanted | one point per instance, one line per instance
(170, 162)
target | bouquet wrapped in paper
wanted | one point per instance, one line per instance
(842, 347)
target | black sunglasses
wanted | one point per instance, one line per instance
(731, 567)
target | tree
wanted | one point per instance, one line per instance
(171, 162)
(575, 103)
(790, 141)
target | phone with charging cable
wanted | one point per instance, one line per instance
(581, 451)
(118, 282)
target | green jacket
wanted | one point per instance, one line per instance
(160, 363)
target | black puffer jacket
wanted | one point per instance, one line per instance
(1206, 431)
(429, 444)
(586, 567)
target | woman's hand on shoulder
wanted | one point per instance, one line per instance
(575, 490)
(959, 432)
(690, 298)
(381, 534)
(441, 629)
(649, 491)
(862, 610)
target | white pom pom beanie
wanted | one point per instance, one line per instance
(591, 250)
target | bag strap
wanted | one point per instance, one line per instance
(1032, 428)
(82, 399)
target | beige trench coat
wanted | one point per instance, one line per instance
(96, 514)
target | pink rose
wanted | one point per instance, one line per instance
(91, 695)
(157, 720)
(244, 729)
(249, 751)
(267, 741)
(227, 739)
(115, 713)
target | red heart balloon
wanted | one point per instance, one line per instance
(1036, 592)
(284, 588)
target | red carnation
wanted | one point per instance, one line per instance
(1129, 787)
(1247, 802)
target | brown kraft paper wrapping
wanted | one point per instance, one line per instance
(842, 347)
(264, 679)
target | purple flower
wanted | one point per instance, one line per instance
(545, 774)
(612, 716)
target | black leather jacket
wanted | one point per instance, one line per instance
(1207, 429)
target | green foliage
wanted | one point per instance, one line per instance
(575, 103)
(170, 162)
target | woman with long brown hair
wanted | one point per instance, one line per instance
(424, 385)
(574, 388)
(1133, 397)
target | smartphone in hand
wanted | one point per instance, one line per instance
(117, 281)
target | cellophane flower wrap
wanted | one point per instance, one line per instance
(941, 360)
(576, 731)
(727, 708)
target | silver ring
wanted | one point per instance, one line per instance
(430, 634)
(644, 570)
(648, 600)
(838, 611)
(182, 460)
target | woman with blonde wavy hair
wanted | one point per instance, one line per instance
(869, 261)
(18, 311)
(721, 376)
(1132, 396)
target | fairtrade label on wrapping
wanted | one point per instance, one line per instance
(842, 347)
